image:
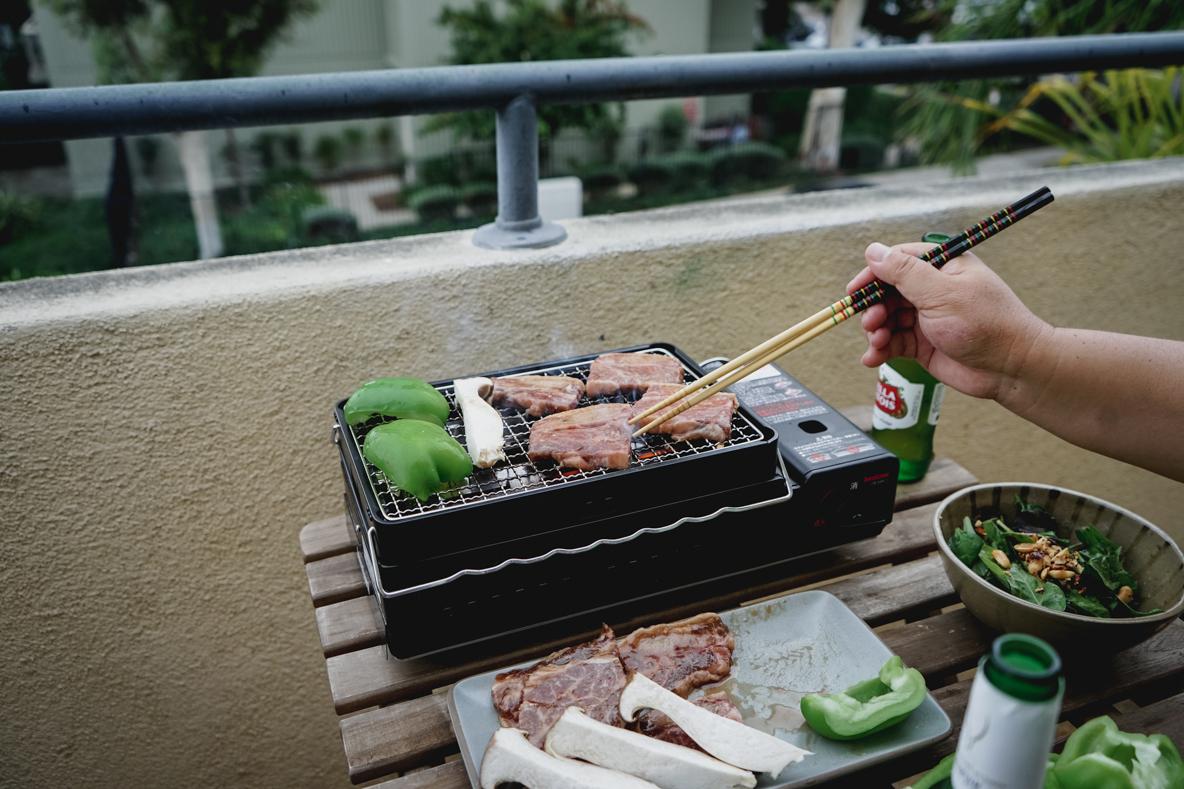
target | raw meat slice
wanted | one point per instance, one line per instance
(597, 436)
(539, 395)
(589, 676)
(630, 373)
(681, 656)
(658, 725)
(710, 420)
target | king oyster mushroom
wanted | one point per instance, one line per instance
(670, 766)
(484, 431)
(511, 758)
(725, 739)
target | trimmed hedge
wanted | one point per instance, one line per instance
(435, 202)
(687, 169)
(651, 176)
(601, 181)
(753, 161)
(480, 198)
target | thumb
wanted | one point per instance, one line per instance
(917, 281)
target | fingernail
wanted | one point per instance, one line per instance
(877, 251)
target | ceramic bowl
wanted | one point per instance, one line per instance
(1148, 554)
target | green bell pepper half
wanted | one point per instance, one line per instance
(417, 457)
(401, 398)
(1101, 756)
(1097, 756)
(866, 707)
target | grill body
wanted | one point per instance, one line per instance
(533, 549)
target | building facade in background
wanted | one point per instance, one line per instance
(350, 35)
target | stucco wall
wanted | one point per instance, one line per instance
(166, 431)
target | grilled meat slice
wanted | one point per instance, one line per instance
(710, 420)
(656, 724)
(538, 395)
(597, 436)
(630, 373)
(681, 656)
(589, 676)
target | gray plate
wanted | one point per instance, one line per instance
(785, 648)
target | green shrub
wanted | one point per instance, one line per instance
(861, 152)
(480, 198)
(18, 214)
(438, 171)
(326, 224)
(651, 175)
(687, 169)
(434, 203)
(275, 221)
(751, 161)
(148, 149)
(601, 181)
(293, 146)
(672, 128)
(327, 151)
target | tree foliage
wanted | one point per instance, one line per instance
(141, 40)
(536, 30)
(946, 117)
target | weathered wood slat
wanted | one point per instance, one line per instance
(1163, 717)
(334, 579)
(324, 538)
(395, 738)
(355, 624)
(349, 625)
(450, 775)
(366, 677)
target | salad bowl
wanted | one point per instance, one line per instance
(1147, 553)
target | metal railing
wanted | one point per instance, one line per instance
(515, 90)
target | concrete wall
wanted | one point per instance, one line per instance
(166, 430)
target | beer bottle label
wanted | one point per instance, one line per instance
(898, 401)
(939, 394)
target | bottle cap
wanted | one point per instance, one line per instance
(1024, 667)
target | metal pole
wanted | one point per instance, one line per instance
(108, 111)
(518, 223)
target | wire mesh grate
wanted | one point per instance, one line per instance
(519, 474)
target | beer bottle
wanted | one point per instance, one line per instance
(1011, 717)
(908, 403)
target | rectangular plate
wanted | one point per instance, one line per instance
(785, 648)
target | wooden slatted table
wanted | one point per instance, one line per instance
(395, 723)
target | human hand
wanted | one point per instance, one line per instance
(963, 323)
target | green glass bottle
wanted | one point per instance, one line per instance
(904, 417)
(908, 403)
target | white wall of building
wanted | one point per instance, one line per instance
(374, 34)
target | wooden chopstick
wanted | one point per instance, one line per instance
(871, 293)
(801, 333)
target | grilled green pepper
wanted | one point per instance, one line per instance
(401, 398)
(1100, 756)
(419, 458)
(866, 707)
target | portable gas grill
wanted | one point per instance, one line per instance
(529, 547)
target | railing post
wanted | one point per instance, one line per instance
(518, 223)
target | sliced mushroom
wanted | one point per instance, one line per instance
(726, 740)
(484, 432)
(670, 766)
(511, 758)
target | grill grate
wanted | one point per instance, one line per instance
(518, 474)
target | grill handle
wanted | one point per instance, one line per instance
(374, 579)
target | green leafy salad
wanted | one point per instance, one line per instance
(1084, 575)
